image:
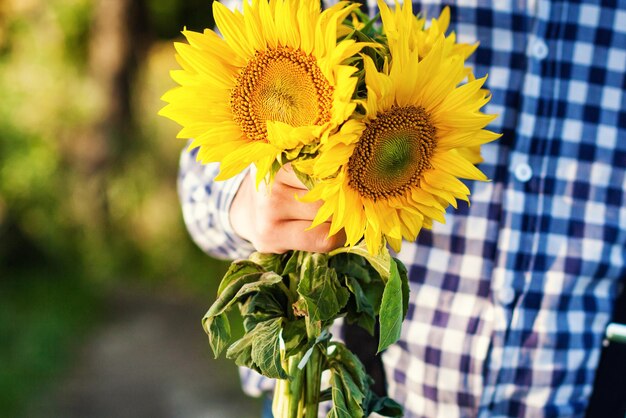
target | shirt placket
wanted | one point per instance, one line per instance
(518, 237)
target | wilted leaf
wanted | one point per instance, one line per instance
(351, 265)
(243, 286)
(266, 280)
(351, 364)
(294, 262)
(241, 352)
(322, 292)
(383, 406)
(236, 270)
(262, 306)
(228, 295)
(364, 311)
(339, 408)
(353, 395)
(294, 334)
(268, 261)
(266, 348)
(381, 262)
(218, 330)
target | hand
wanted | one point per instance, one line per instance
(275, 222)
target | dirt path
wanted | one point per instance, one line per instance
(149, 359)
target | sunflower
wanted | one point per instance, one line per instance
(404, 30)
(273, 83)
(397, 169)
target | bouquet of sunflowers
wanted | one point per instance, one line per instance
(379, 121)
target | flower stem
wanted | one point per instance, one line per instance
(295, 388)
(313, 382)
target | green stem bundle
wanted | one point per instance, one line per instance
(288, 303)
(298, 396)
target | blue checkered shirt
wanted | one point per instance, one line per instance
(511, 297)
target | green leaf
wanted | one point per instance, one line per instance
(266, 348)
(380, 262)
(391, 310)
(309, 262)
(323, 293)
(404, 277)
(236, 270)
(269, 302)
(363, 313)
(218, 330)
(259, 349)
(383, 406)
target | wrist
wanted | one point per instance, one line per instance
(239, 212)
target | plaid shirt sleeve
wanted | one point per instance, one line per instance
(205, 204)
(511, 297)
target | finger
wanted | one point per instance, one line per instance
(293, 235)
(282, 205)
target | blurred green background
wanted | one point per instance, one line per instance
(91, 235)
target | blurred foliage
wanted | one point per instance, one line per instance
(61, 201)
(40, 321)
(87, 198)
(168, 17)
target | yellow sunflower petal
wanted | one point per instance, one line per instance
(355, 221)
(463, 138)
(254, 28)
(286, 31)
(238, 160)
(445, 181)
(285, 136)
(231, 25)
(275, 82)
(324, 213)
(412, 224)
(471, 154)
(328, 162)
(442, 194)
(453, 163)
(339, 214)
(382, 176)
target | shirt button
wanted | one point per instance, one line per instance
(506, 295)
(523, 172)
(539, 49)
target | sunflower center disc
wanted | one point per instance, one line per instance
(394, 150)
(284, 85)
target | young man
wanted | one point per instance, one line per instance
(511, 297)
